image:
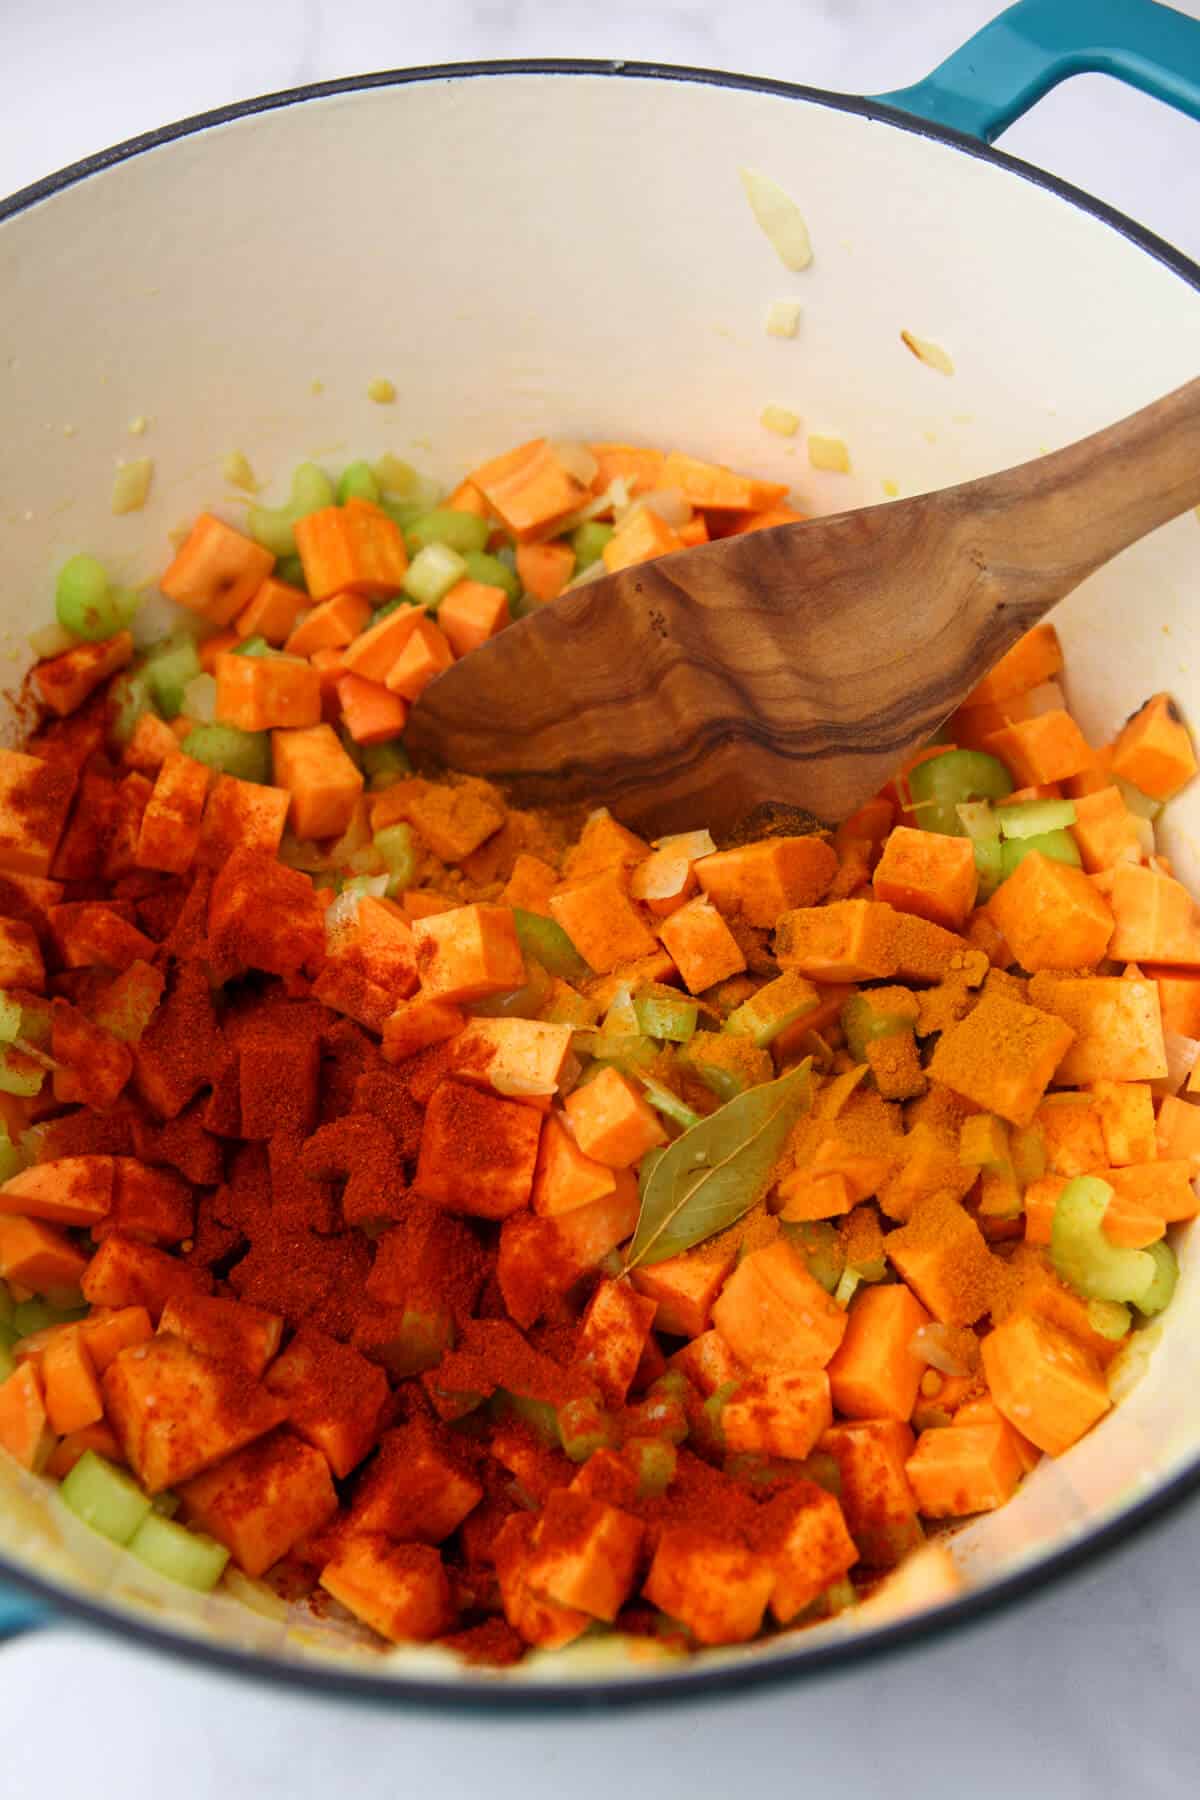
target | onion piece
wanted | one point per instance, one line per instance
(670, 505)
(200, 699)
(1048, 697)
(157, 618)
(577, 460)
(1182, 1054)
(931, 354)
(594, 572)
(51, 640)
(934, 1344)
(341, 916)
(781, 220)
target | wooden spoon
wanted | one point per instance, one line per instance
(802, 664)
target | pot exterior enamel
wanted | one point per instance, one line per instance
(572, 253)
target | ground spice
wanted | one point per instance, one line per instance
(493, 1645)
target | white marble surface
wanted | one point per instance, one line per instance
(1091, 1689)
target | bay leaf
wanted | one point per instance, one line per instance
(717, 1170)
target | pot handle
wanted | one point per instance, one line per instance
(18, 1614)
(1012, 62)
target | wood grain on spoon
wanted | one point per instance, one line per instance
(801, 664)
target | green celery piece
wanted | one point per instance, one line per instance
(168, 669)
(384, 764)
(312, 490)
(245, 754)
(105, 1497)
(12, 1159)
(291, 570)
(29, 1316)
(630, 1054)
(460, 531)
(88, 604)
(585, 1427)
(252, 646)
(522, 1003)
(546, 941)
(670, 1105)
(492, 572)
(817, 1241)
(540, 1416)
(10, 1018)
(432, 572)
(19, 1073)
(989, 865)
(655, 1460)
(671, 1020)
(271, 526)
(1033, 818)
(769, 1012)
(1142, 804)
(844, 1292)
(185, 1556)
(36, 1023)
(621, 1018)
(566, 1007)
(1111, 1318)
(8, 1365)
(713, 1407)
(939, 785)
(838, 1597)
(396, 845)
(129, 696)
(588, 541)
(1084, 1257)
(1166, 1277)
(422, 1340)
(863, 1025)
(720, 1060)
(1059, 846)
(357, 482)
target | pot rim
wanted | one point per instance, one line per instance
(692, 1681)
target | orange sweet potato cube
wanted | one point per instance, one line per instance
(216, 570)
(1002, 1056)
(417, 1024)
(708, 1362)
(35, 798)
(177, 1412)
(962, 1469)
(419, 1486)
(529, 489)
(355, 548)
(1125, 1110)
(604, 843)
(874, 1373)
(1116, 1024)
(324, 785)
(170, 831)
(151, 1204)
(468, 953)
(942, 1254)
(24, 1428)
(67, 1452)
(1044, 1382)
(230, 1330)
(272, 611)
(530, 885)
(334, 1396)
(1177, 1132)
(783, 1413)
(471, 613)
(1035, 658)
(262, 1500)
(539, 1620)
(1104, 830)
(69, 1190)
(774, 1315)
(611, 1122)
(684, 1287)
(1071, 1134)
(701, 945)
(803, 1533)
(1050, 747)
(545, 569)
(478, 1152)
(757, 882)
(240, 814)
(332, 625)
(585, 1554)
(21, 963)
(519, 1058)
(109, 1330)
(426, 654)
(262, 915)
(565, 1177)
(602, 921)
(1153, 750)
(72, 1392)
(87, 932)
(368, 711)
(718, 1590)
(1157, 921)
(37, 1256)
(926, 873)
(125, 1273)
(876, 1498)
(612, 1339)
(262, 693)
(1051, 915)
(65, 682)
(399, 1590)
(541, 1258)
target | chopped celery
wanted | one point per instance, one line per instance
(460, 531)
(989, 865)
(776, 1006)
(291, 570)
(713, 1407)
(520, 1003)
(844, 1292)
(1110, 1318)
(384, 764)
(29, 1316)
(629, 1054)
(6, 1304)
(12, 1159)
(357, 482)
(402, 512)
(105, 1497)
(1033, 818)
(128, 698)
(1166, 1275)
(939, 784)
(353, 750)
(588, 541)
(185, 1556)
(817, 1241)
(19, 1073)
(670, 1105)
(838, 1597)
(546, 940)
(166, 1505)
(312, 490)
(246, 754)
(168, 669)
(584, 1427)
(10, 1018)
(421, 1340)
(86, 602)
(726, 1063)
(252, 646)
(1059, 846)
(621, 1017)
(863, 1025)
(36, 1019)
(389, 607)
(655, 1460)
(492, 572)
(396, 845)
(271, 526)
(8, 1364)
(432, 572)
(672, 1019)
(566, 1007)
(1143, 806)
(540, 1416)
(1085, 1258)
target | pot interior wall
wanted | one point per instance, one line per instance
(573, 254)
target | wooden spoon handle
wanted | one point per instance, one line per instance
(1045, 525)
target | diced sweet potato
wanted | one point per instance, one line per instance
(152, 1205)
(539, 1620)
(584, 1554)
(757, 882)
(541, 1258)
(216, 570)
(227, 1330)
(125, 1273)
(718, 1590)
(35, 798)
(1052, 915)
(355, 548)
(612, 1339)
(1104, 830)
(1044, 1382)
(874, 1373)
(782, 1413)
(170, 831)
(1116, 1024)
(66, 681)
(963, 1469)
(67, 1452)
(177, 1412)
(37, 1256)
(69, 1190)
(611, 1122)
(20, 957)
(773, 1315)
(478, 1152)
(240, 815)
(877, 1500)
(1035, 658)
(942, 1254)
(1002, 1056)
(24, 1428)
(1153, 749)
(708, 1362)
(602, 921)
(519, 1058)
(1157, 921)
(263, 916)
(1049, 747)
(471, 613)
(927, 873)
(803, 1533)
(311, 765)
(468, 953)
(107, 1331)
(685, 1287)
(867, 940)
(565, 1177)
(399, 1590)
(419, 1486)
(701, 945)
(334, 1396)
(262, 1500)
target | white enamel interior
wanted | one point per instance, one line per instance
(573, 255)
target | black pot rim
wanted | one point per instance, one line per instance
(691, 1681)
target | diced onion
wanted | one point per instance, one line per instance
(828, 453)
(200, 699)
(51, 640)
(341, 916)
(928, 1342)
(780, 218)
(595, 571)
(157, 618)
(779, 419)
(577, 460)
(237, 472)
(668, 504)
(932, 355)
(1049, 697)
(131, 485)
(783, 318)
(1182, 1053)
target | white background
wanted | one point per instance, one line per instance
(1090, 1690)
